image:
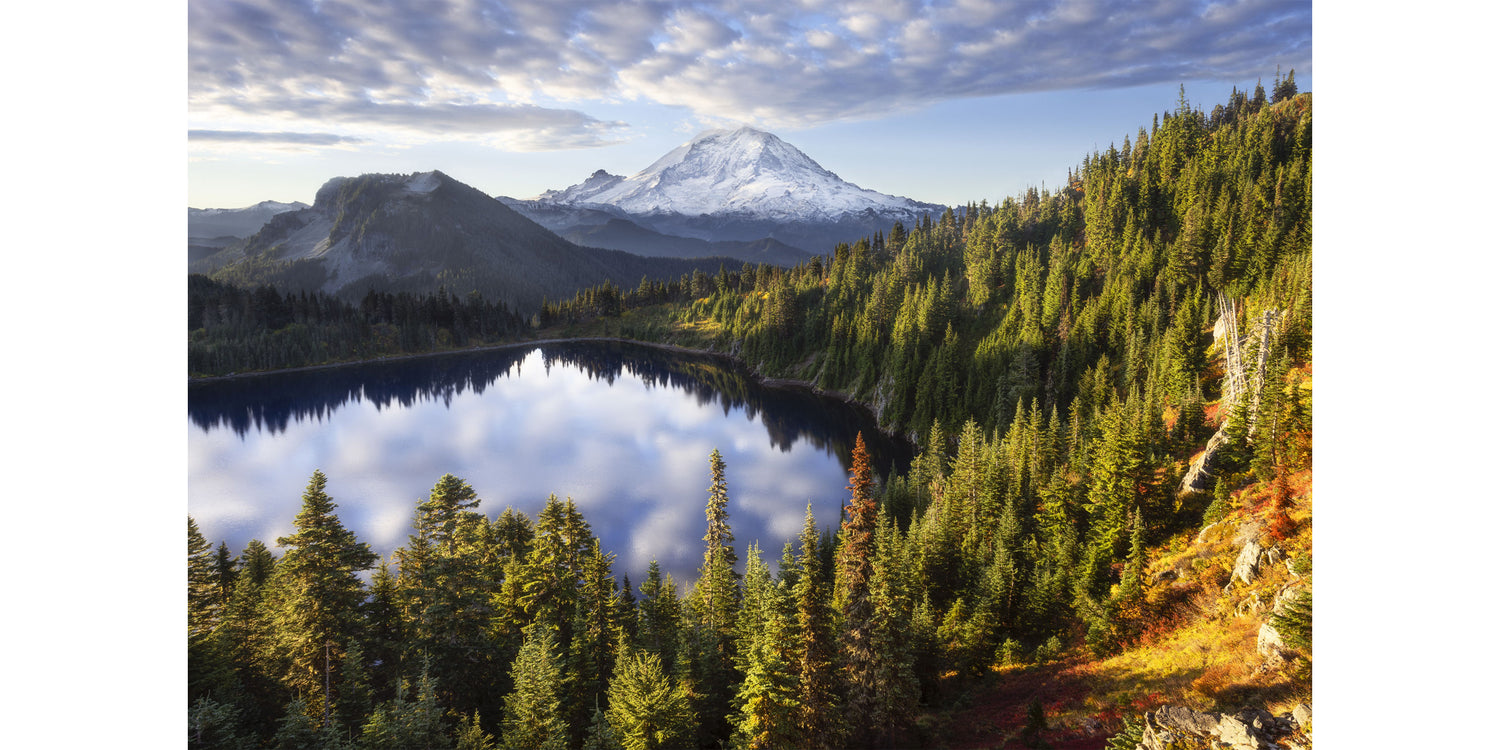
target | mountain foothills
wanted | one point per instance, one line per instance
(1104, 542)
(416, 233)
(213, 229)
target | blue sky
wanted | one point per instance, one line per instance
(945, 101)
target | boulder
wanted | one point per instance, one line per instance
(1181, 728)
(1268, 642)
(1204, 533)
(1302, 714)
(1239, 734)
(1187, 721)
(1283, 596)
(1247, 565)
(1248, 531)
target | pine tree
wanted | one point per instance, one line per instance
(534, 716)
(226, 571)
(818, 724)
(203, 601)
(715, 600)
(297, 731)
(861, 663)
(471, 736)
(256, 563)
(600, 735)
(315, 593)
(893, 684)
(716, 585)
(646, 711)
(446, 590)
(400, 724)
(766, 700)
(355, 693)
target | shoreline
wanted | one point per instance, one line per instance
(677, 348)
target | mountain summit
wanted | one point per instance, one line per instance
(736, 185)
(744, 173)
(414, 233)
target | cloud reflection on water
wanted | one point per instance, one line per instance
(591, 422)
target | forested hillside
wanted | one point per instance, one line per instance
(1094, 375)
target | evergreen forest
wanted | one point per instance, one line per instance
(1103, 382)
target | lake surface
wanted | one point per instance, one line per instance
(624, 429)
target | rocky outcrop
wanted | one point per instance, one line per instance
(1182, 728)
(1268, 642)
(1247, 565)
(1302, 715)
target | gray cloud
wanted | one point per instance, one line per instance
(478, 68)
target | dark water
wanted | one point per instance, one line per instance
(625, 430)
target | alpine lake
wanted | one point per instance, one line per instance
(625, 430)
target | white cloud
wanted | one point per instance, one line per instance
(491, 71)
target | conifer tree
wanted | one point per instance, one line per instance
(471, 736)
(861, 663)
(715, 603)
(660, 616)
(716, 587)
(297, 731)
(893, 688)
(315, 593)
(766, 700)
(646, 710)
(818, 724)
(226, 571)
(256, 563)
(203, 600)
(600, 735)
(355, 693)
(401, 724)
(534, 714)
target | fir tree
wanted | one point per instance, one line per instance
(203, 600)
(766, 698)
(715, 602)
(817, 722)
(471, 736)
(861, 663)
(315, 593)
(646, 711)
(534, 717)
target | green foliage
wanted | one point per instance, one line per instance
(471, 736)
(1128, 737)
(313, 597)
(1294, 622)
(213, 725)
(400, 724)
(534, 716)
(646, 710)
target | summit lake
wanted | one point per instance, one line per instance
(623, 429)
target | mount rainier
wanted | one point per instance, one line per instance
(743, 184)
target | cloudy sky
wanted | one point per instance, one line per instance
(944, 100)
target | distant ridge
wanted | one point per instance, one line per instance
(421, 231)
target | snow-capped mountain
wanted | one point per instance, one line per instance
(745, 173)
